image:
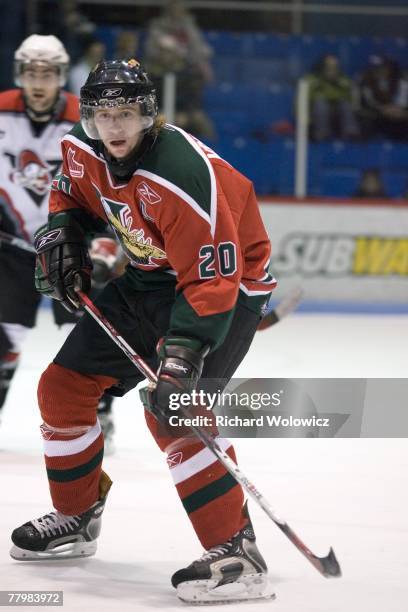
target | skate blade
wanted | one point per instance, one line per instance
(206, 592)
(72, 550)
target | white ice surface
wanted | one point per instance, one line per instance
(348, 493)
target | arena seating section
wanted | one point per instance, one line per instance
(252, 105)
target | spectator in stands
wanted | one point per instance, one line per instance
(127, 44)
(68, 22)
(383, 100)
(330, 94)
(94, 51)
(371, 185)
(175, 44)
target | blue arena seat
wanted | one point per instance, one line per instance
(395, 184)
(341, 154)
(255, 160)
(340, 183)
(264, 71)
(395, 156)
(269, 47)
(226, 43)
(231, 123)
(254, 88)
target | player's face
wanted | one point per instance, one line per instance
(40, 84)
(120, 129)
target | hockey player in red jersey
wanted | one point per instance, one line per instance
(33, 119)
(196, 280)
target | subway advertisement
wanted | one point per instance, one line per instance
(340, 252)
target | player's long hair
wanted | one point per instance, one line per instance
(159, 122)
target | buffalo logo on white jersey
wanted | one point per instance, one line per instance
(32, 173)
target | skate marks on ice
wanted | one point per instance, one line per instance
(143, 540)
(101, 585)
(329, 346)
(132, 569)
(349, 493)
(98, 584)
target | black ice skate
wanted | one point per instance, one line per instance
(230, 572)
(57, 536)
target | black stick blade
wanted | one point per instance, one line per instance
(330, 567)
(327, 566)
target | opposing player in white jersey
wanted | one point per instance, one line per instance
(33, 119)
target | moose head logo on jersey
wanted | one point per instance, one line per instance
(32, 173)
(136, 245)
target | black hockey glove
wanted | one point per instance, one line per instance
(181, 364)
(63, 262)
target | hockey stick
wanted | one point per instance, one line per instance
(285, 307)
(328, 566)
(20, 243)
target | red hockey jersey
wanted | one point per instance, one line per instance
(186, 217)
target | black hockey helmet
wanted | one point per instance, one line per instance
(116, 83)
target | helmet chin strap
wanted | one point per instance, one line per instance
(45, 116)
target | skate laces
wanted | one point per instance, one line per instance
(216, 551)
(55, 521)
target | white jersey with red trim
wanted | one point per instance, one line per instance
(30, 159)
